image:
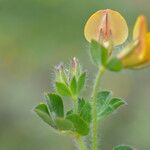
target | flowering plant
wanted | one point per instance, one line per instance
(104, 30)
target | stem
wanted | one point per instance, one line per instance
(81, 144)
(94, 107)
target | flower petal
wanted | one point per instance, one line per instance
(140, 28)
(110, 22)
(139, 55)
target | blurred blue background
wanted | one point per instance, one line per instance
(37, 34)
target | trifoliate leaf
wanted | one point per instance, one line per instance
(106, 104)
(112, 106)
(103, 98)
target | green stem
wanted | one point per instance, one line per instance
(81, 144)
(94, 107)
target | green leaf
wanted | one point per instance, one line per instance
(103, 98)
(55, 105)
(112, 106)
(106, 104)
(81, 82)
(73, 85)
(114, 65)
(63, 89)
(84, 110)
(123, 147)
(64, 124)
(43, 113)
(80, 125)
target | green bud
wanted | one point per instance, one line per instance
(75, 67)
(60, 73)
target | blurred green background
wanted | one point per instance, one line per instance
(37, 34)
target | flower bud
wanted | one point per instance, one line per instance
(60, 73)
(75, 67)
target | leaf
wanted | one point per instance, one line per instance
(114, 65)
(62, 89)
(80, 125)
(84, 110)
(103, 98)
(106, 104)
(112, 106)
(73, 85)
(55, 105)
(95, 52)
(43, 113)
(81, 82)
(123, 147)
(64, 124)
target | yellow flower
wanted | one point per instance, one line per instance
(139, 55)
(106, 25)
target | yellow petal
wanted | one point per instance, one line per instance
(147, 40)
(108, 24)
(140, 28)
(139, 56)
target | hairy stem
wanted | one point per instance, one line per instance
(94, 107)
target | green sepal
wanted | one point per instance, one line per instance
(81, 82)
(73, 85)
(84, 110)
(104, 55)
(123, 147)
(42, 111)
(81, 127)
(114, 64)
(99, 54)
(62, 89)
(95, 52)
(55, 105)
